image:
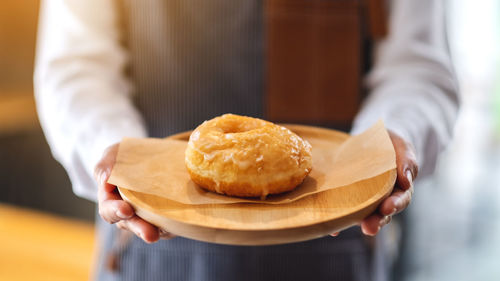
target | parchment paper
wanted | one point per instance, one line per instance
(156, 166)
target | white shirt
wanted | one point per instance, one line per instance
(83, 95)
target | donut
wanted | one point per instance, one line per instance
(246, 157)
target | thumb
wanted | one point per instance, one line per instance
(102, 170)
(406, 161)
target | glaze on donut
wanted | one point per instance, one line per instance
(246, 157)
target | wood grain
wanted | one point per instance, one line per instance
(260, 224)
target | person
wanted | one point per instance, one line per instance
(87, 101)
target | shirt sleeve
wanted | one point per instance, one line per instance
(83, 97)
(412, 86)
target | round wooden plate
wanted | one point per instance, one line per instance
(311, 217)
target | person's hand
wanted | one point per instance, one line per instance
(113, 209)
(400, 198)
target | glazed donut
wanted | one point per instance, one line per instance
(246, 157)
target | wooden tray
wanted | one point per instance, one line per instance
(312, 217)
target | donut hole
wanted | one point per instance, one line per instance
(236, 126)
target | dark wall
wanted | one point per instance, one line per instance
(30, 177)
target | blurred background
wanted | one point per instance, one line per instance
(46, 232)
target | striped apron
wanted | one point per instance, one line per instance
(192, 60)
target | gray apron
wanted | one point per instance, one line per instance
(192, 60)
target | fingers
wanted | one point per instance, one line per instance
(396, 202)
(146, 231)
(407, 171)
(165, 235)
(102, 170)
(114, 211)
(373, 223)
(111, 206)
(406, 161)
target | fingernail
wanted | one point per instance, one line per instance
(409, 176)
(142, 237)
(163, 232)
(102, 178)
(398, 203)
(384, 221)
(122, 215)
